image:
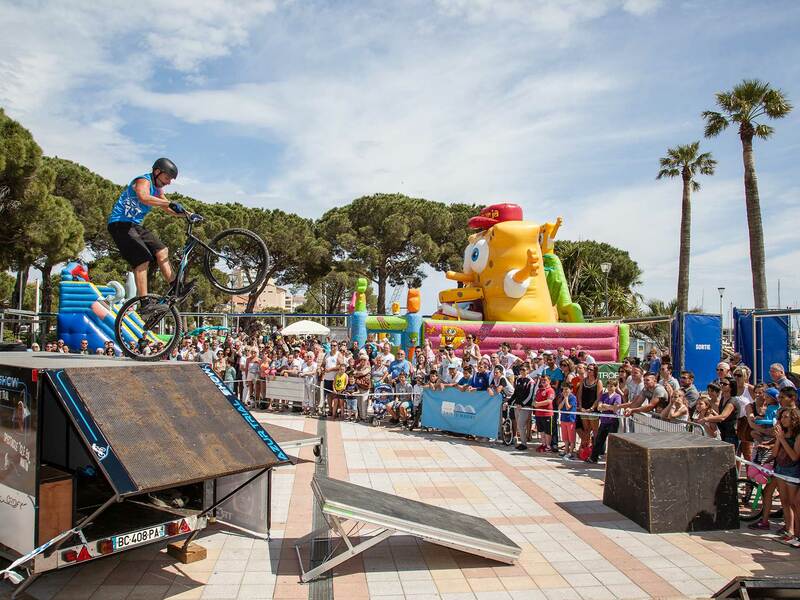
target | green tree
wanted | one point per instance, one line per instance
(91, 197)
(20, 157)
(389, 237)
(685, 162)
(746, 104)
(329, 293)
(581, 261)
(59, 237)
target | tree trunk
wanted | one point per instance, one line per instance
(685, 243)
(754, 225)
(19, 296)
(381, 308)
(47, 302)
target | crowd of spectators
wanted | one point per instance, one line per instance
(557, 396)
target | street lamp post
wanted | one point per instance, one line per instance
(721, 291)
(606, 269)
(197, 307)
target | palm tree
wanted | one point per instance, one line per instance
(746, 103)
(685, 162)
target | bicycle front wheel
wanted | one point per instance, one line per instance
(147, 329)
(237, 261)
(750, 500)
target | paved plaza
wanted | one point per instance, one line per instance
(573, 547)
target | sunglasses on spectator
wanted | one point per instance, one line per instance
(720, 369)
(725, 384)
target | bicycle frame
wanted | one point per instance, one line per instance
(192, 242)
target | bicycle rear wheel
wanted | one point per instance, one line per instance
(751, 502)
(237, 262)
(506, 431)
(148, 337)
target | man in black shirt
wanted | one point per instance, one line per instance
(524, 389)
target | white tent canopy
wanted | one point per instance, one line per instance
(305, 327)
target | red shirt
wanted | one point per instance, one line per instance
(543, 394)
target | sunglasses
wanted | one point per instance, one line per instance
(725, 384)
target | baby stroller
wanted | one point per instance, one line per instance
(381, 396)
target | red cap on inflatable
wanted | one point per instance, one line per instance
(496, 213)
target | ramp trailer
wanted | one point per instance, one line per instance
(100, 455)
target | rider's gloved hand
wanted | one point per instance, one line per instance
(177, 207)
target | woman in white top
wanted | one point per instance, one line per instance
(745, 398)
(309, 374)
(472, 353)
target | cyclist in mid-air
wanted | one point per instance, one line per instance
(136, 244)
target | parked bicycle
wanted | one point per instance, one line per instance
(506, 427)
(750, 491)
(235, 262)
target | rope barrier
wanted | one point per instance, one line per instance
(767, 471)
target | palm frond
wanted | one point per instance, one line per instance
(695, 186)
(670, 172)
(764, 131)
(776, 106)
(715, 123)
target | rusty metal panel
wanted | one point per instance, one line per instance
(169, 425)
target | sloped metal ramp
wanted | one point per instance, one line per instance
(157, 426)
(342, 502)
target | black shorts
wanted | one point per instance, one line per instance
(136, 244)
(544, 424)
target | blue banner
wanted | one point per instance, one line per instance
(473, 413)
(771, 343)
(702, 347)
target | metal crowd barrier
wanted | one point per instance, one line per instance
(646, 423)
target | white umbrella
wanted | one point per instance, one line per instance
(305, 327)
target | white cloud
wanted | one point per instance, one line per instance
(547, 15)
(62, 65)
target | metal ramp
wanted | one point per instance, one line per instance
(341, 501)
(160, 426)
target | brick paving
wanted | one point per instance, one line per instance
(573, 547)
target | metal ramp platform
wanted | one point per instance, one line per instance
(341, 501)
(157, 426)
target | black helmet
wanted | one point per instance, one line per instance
(165, 165)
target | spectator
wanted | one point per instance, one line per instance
(332, 363)
(499, 384)
(727, 411)
(723, 371)
(568, 405)
(653, 397)
(653, 362)
(586, 358)
(229, 376)
(778, 375)
(399, 365)
(452, 358)
(609, 423)
(386, 356)
(253, 370)
(434, 382)
(543, 403)
(667, 379)
(677, 409)
(109, 351)
(787, 463)
(379, 371)
(589, 393)
(521, 400)
(480, 380)
(309, 374)
(713, 390)
(35, 347)
(472, 353)
(363, 380)
(689, 389)
(634, 385)
(704, 408)
(83, 348)
(465, 383)
(207, 355)
(451, 376)
(745, 398)
(400, 408)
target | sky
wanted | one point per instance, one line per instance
(561, 106)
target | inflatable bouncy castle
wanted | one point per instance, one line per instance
(88, 311)
(511, 288)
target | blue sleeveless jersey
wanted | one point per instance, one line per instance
(128, 208)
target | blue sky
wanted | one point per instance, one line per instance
(561, 106)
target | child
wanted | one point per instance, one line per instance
(787, 463)
(350, 396)
(704, 408)
(465, 383)
(610, 424)
(568, 405)
(401, 407)
(543, 404)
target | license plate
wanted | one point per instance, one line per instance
(138, 537)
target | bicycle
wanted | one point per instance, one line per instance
(235, 262)
(750, 491)
(506, 427)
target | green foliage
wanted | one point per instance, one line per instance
(745, 104)
(329, 293)
(684, 161)
(581, 261)
(389, 237)
(20, 157)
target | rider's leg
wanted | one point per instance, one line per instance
(162, 258)
(140, 277)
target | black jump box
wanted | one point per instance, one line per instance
(672, 482)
